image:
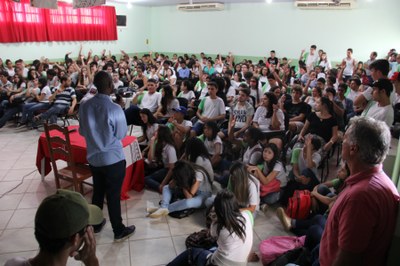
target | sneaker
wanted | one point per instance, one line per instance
(285, 220)
(150, 210)
(159, 213)
(98, 227)
(128, 231)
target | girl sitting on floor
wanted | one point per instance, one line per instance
(161, 158)
(235, 236)
(272, 175)
(190, 184)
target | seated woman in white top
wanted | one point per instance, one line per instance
(161, 156)
(268, 117)
(272, 175)
(233, 229)
(149, 129)
(190, 183)
(168, 103)
(41, 103)
(196, 152)
(187, 90)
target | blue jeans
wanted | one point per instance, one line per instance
(154, 180)
(54, 111)
(194, 203)
(191, 256)
(30, 108)
(271, 198)
(9, 113)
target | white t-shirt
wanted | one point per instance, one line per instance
(11, 72)
(242, 114)
(278, 167)
(385, 113)
(264, 123)
(151, 101)
(232, 250)
(316, 158)
(150, 131)
(46, 90)
(206, 164)
(118, 84)
(252, 155)
(205, 185)
(231, 92)
(212, 107)
(188, 95)
(254, 192)
(311, 60)
(352, 95)
(168, 155)
(210, 145)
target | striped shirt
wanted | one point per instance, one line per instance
(65, 97)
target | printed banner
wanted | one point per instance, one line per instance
(87, 3)
(51, 4)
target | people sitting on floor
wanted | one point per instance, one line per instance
(189, 188)
(271, 174)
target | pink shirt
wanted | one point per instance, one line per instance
(362, 219)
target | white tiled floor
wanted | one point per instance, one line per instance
(155, 242)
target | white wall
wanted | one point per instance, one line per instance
(255, 29)
(130, 38)
(245, 29)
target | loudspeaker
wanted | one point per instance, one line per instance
(121, 20)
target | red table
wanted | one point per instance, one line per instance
(134, 176)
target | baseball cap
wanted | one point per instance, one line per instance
(64, 214)
(395, 76)
(180, 109)
(383, 84)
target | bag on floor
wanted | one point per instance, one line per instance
(181, 214)
(273, 247)
(201, 239)
(299, 205)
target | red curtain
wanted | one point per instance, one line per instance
(22, 23)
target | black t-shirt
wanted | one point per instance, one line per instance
(321, 127)
(296, 109)
(273, 61)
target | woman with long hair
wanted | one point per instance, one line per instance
(149, 129)
(196, 152)
(168, 103)
(190, 184)
(84, 80)
(233, 229)
(162, 153)
(322, 123)
(272, 175)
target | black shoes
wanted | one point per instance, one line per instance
(98, 227)
(128, 231)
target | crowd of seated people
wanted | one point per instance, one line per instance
(208, 120)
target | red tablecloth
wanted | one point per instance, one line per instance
(134, 176)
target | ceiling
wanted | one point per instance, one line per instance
(174, 2)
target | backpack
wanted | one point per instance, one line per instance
(299, 205)
(201, 239)
(273, 247)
